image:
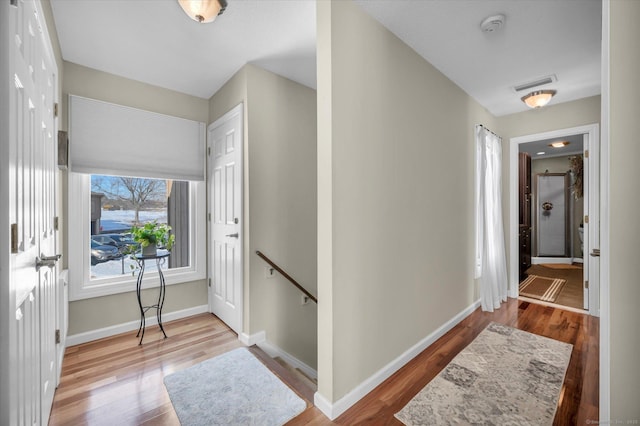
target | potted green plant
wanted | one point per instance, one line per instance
(153, 235)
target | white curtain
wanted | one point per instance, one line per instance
(491, 261)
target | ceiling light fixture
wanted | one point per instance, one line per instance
(539, 98)
(203, 11)
(559, 144)
(540, 153)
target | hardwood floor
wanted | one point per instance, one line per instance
(572, 293)
(115, 381)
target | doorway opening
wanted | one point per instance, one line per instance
(553, 218)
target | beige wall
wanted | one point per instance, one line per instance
(395, 172)
(90, 314)
(559, 165)
(280, 200)
(624, 206)
(282, 190)
(552, 117)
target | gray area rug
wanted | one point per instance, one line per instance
(234, 388)
(504, 377)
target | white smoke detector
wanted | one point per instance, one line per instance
(492, 23)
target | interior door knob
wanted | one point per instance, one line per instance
(595, 252)
(233, 235)
(55, 257)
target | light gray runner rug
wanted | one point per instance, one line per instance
(234, 388)
(504, 377)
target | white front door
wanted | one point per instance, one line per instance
(31, 210)
(225, 143)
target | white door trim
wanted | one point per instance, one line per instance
(592, 130)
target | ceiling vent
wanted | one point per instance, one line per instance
(536, 83)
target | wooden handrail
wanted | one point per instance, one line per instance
(287, 276)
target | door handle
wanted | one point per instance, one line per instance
(595, 252)
(233, 235)
(55, 257)
(48, 261)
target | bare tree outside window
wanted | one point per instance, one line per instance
(137, 192)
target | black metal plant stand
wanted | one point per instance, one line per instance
(160, 258)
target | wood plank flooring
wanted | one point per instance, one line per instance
(115, 381)
(572, 294)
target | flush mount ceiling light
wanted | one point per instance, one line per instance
(559, 144)
(203, 11)
(539, 98)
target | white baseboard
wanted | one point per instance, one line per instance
(333, 410)
(252, 339)
(260, 339)
(274, 351)
(100, 333)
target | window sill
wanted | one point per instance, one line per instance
(127, 284)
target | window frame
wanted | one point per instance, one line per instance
(81, 286)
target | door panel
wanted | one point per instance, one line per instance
(32, 195)
(225, 178)
(592, 221)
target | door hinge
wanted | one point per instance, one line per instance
(14, 238)
(209, 151)
(586, 154)
(209, 217)
(586, 218)
(55, 109)
(57, 336)
(586, 284)
(209, 282)
(56, 223)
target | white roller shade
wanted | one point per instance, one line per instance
(106, 138)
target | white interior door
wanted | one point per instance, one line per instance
(591, 252)
(32, 185)
(225, 144)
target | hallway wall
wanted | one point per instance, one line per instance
(623, 206)
(395, 205)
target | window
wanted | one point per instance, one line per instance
(117, 204)
(103, 208)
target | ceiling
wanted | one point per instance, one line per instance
(575, 146)
(153, 41)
